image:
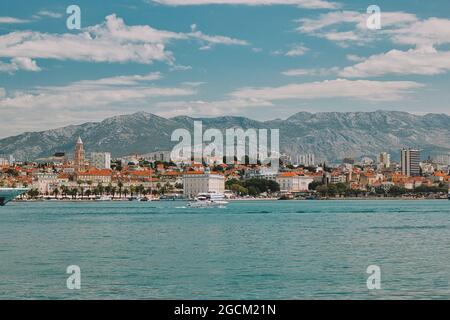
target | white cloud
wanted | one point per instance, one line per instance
(310, 72)
(19, 63)
(358, 89)
(425, 33)
(124, 90)
(193, 83)
(11, 20)
(296, 51)
(327, 26)
(310, 4)
(200, 108)
(398, 27)
(120, 80)
(111, 41)
(41, 108)
(354, 58)
(49, 14)
(213, 40)
(423, 61)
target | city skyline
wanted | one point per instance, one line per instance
(248, 59)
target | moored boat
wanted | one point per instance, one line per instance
(104, 198)
(9, 194)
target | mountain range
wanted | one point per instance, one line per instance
(330, 136)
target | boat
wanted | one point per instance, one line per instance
(210, 199)
(9, 194)
(103, 198)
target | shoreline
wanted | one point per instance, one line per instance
(237, 200)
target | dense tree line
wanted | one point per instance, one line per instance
(252, 187)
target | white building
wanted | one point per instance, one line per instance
(292, 182)
(162, 156)
(46, 182)
(306, 159)
(201, 182)
(267, 173)
(101, 160)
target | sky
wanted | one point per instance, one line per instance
(263, 59)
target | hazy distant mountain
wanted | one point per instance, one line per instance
(330, 135)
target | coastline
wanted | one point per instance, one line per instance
(240, 200)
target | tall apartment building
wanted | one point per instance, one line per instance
(410, 162)
(101, 160)
(202, 182)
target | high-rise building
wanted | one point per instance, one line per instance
(79, 157)
(384, 160)
(101, 160)
(306, 159)
(410, 162)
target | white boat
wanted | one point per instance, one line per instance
(210, 199)
(9, 194)
(103, 198)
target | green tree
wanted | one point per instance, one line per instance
(341, 188)
(313, 185)
(56, 192)
(120, 185)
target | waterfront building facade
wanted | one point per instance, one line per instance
(196, 182)
(95, 176)
(292, 182)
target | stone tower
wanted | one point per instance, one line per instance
(79, 160)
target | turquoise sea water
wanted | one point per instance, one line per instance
(248, 250)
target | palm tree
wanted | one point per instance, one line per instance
(89, 183)
(100, 188)
(132, 190)
(56, 192)
(65, 190)
(74, 192)
(120, 185)
(108, 189)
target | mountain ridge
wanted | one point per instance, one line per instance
(329, 135)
